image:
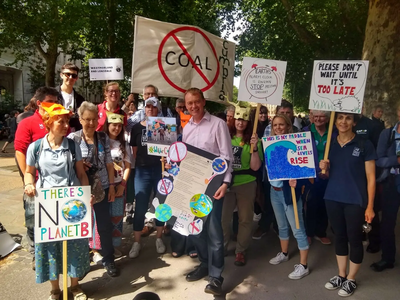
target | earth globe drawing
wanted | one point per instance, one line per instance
(200, 205)
(163, 212)
(74, 211)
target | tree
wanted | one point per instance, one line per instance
(28, 27)
(300, 31)
(382, 49)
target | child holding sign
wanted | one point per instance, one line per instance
(282, 204)
(57, 171)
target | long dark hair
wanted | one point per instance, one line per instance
(261, 125)
(247, 133)
(120, 137)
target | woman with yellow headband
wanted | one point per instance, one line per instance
(48, 156)
(122, 157)
(242, 194)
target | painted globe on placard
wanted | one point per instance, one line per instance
(163, 212)
(74, 211)
(200, 205)
(219, 165)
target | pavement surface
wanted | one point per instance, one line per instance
(165, 275)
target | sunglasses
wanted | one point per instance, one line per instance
(73, 75)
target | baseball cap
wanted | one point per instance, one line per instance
(153, 101)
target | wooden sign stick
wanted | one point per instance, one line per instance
(162, 166)
(328, 139)
(255, 124)
(296, 215)
(65, 271)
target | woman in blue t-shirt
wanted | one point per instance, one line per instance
(349, 198)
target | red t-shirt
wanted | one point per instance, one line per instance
(103, 115)
(29, 130)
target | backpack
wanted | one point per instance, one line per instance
(38, 148)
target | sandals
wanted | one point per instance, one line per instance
(55, 294)
(193, 254)
(77, 293)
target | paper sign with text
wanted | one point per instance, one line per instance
(160, 134)
(106, 69)
(177, 57)
(289, 156)
(63, 213)
(338, 85)
(262, 80)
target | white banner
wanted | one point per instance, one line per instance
(63, 213)
(106, 69)
(338, 85)
(262, 80)
(175, 58)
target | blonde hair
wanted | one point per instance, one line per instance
(108, 85)
(287, 121)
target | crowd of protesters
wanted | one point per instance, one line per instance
(106, 148)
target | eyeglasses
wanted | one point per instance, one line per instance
(150, 94)
(181, 107)
(89, 121)
(113, 91)
(73, 75)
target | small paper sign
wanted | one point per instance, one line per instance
(106, 69)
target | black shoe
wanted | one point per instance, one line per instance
(381, 265)
(197, 274)
(111, 269)
(373, 249)
(214, 287)
(33, 264)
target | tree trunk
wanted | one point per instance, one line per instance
(112, 18)
(382, 49)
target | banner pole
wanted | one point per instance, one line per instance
(255, 124)
(162, 166)
(329, 138)
(296, 215)
(65, 272)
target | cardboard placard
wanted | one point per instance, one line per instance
(161, 133)
(63, 213)
(262, 80)
(338, 85)
(289, 156)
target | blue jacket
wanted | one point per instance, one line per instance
(386, 150)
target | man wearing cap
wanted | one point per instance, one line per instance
(28, 131)
(67, 96)
(211, 134)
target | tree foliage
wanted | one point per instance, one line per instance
(300, 31)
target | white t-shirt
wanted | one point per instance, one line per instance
(68, 100)
(118, 159)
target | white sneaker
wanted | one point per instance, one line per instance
(134, 252)
(299, 272)
(280, 257)
(160, 246)
(97, 258)
(256, 217)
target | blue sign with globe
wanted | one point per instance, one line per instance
(74, 211)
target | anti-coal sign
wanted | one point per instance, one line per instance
(177, 57)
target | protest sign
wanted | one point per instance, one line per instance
(262, 80)
(62, 213)
(185, 56)
(161, 133)
(106, 69)
(289, 156)
(188, 187)
(338, 85)
(7, 244)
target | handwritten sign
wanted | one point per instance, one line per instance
(289, 156)
(106, 69)
(262, 80)
(182, 222)
(62, 213)
(339, 85)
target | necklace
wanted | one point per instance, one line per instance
(342, 143)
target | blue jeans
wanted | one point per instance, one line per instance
(285, 216)
(210, 242)
(146, 179)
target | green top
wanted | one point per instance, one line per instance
(241, 160)
(320, 141)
